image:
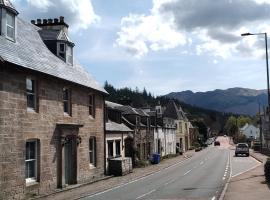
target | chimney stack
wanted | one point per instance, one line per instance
(52, 24)
(62, 19)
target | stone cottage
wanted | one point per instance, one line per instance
(118, 135)
(51, 109)
(172, 111)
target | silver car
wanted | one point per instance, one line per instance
(242, 149)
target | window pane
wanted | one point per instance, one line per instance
(10, 32)
(10, 19)
(110, 148)
(29, 84)
(30, 169)
(92, 150)
(30, 101)
(118, 148)
(62, 47)
(66, 107)
(65, 94)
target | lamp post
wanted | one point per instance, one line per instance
(267, 70)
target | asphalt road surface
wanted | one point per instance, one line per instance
(201, 177)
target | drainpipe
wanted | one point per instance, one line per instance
(104, 129)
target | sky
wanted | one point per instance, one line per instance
(164, 45)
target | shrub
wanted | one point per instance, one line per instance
(196, 144)
(191, 148)
(267, 170)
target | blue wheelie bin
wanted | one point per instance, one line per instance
(156, 158)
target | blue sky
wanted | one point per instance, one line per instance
(164, 45)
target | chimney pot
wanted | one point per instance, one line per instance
(50, 21)
(45, 21)
(38, 21)
(33, 21)
(62, 19)
(55, 20)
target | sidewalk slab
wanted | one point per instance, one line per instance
(250, 185)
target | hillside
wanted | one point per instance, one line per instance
(234, 100)
(126, 96)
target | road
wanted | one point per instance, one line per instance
(201, 177)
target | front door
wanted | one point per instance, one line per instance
(71, 160)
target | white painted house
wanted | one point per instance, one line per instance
(250, 131)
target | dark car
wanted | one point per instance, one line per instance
(242, 149)
(217, 143)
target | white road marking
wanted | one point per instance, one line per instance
(246, 170)
(139, 197)
(201, 163)
(187, 172)
(213, 198)
(169, 182)
(136, 180)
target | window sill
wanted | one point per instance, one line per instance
(31, 183)
(92, 166)
(91, 117)
(31, 110)
(67, 114)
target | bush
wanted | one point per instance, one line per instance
(267, 170)
(196, 144)
(191, 148)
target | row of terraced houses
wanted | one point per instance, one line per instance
(56, 129)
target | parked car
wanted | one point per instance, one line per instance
(242, 148)
(217, 143)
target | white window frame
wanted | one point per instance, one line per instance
(10, 26)
(69, 56)
(92, 151)
(32, 179)
(68, 101)
(34, 93)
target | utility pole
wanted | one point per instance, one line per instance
(260, 121)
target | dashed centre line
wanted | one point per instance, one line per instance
(187, 172)
(139, 197)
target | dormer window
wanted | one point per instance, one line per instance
(10, 26)
(61, 50)
(69, 55)
(64, 51)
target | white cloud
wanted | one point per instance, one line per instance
(140, 33)
(79, 14)
(211, 27)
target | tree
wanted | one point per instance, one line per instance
(241, 121)
(231, 126)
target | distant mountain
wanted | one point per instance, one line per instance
(233, 100)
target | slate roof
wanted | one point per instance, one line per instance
(172, 111)
(115, 127)
(29, 51)
(7, 4)
(54, 35)
(113, 105)
(128, 110)
(142, 113)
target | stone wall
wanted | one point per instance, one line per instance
(18, 125)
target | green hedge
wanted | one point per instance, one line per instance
(267, 170)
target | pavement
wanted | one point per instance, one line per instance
(249, 185)
(80, 191)
(202, 175)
